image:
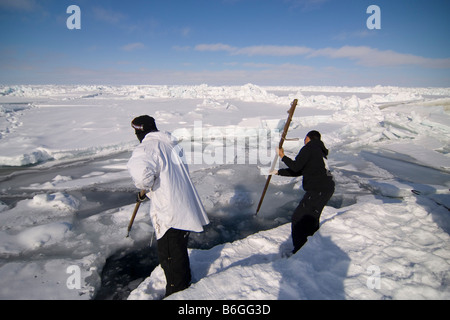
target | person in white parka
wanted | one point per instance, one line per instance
(175, 207)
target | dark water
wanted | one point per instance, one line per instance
(124, 271)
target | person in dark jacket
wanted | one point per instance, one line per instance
(317, 182)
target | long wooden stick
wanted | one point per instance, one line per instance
(283, 138)
(136, 208)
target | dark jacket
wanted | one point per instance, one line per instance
(309, 163)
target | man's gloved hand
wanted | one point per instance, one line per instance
(141, 196)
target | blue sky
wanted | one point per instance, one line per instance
(226, 42)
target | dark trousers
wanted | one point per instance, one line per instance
(306, 217)
(174, 259)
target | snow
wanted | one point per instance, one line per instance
(334, 264)
(66, 197)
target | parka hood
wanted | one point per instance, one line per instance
(321, 145)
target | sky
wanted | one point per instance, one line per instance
(226, 42)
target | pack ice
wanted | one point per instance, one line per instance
(66, 197)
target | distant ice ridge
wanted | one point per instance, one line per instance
(248, 92)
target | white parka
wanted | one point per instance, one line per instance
(156, 165)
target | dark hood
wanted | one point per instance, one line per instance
(321, 145)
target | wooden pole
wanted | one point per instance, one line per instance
(283, 137)
(136, 208)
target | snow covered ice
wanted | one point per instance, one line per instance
(66, 196)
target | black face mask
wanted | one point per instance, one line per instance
(141, 135)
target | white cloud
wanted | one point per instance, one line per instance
(215, 47)
(181, 48)
(273, 51)
(108, 16)
(255, 50)
(21, 5)
(370, 57)
(362, 55)
(133, 46)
